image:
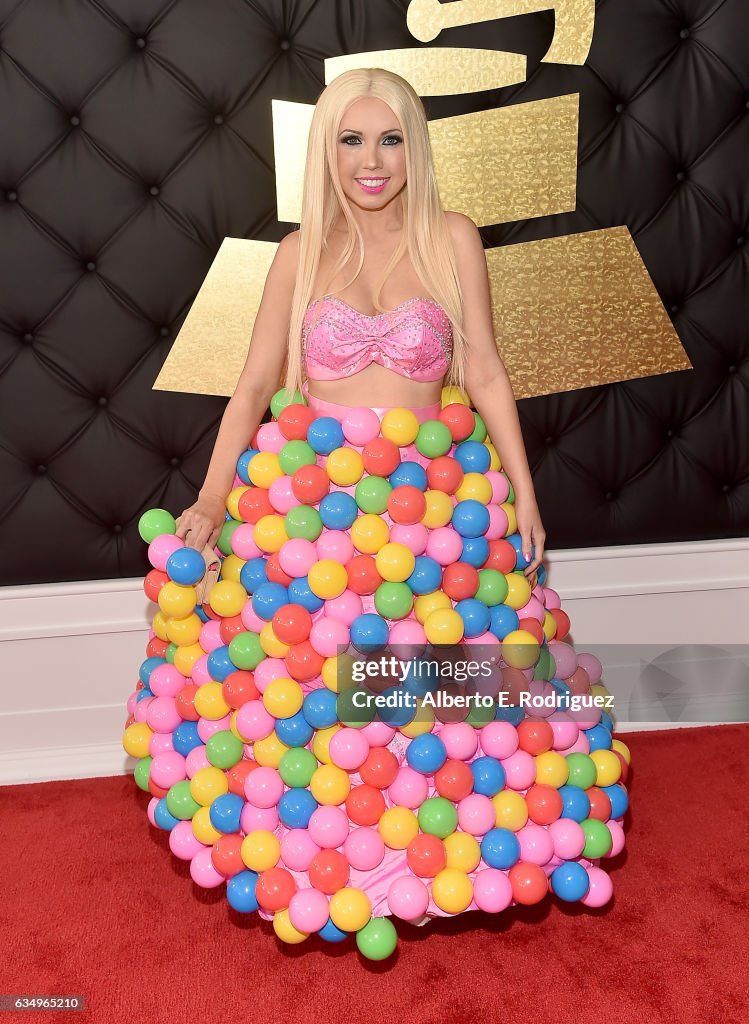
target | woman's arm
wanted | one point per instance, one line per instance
(488, 383)
(257, 382)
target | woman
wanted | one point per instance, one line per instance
(368, 309)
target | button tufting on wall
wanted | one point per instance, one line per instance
(725, 488)
(140, 42)
(28, 337)
(116, 528)
(740, 240)
(674, 308)
(41, 470)
(163, 331)
(669, 432)
(284, 44)
(218, 119)
(619, 108)
(549, 440)
(90, 265)
(154, 190)
(680, 175)
(103, 400)
(75, 120)
(684, 34)
(609, 495)
(732, 368)
(11, 196)
(175, 461)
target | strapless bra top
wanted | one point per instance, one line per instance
(414, 339)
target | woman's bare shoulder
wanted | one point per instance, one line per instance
(461, 227)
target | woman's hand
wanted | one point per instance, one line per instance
(201, 523)
(531, 532)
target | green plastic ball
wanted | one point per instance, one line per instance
(583, 770)
(393, 600)
(296, 454)
(245, 650)
(479, 431)
(433, 439)
(141, 773)
(598, 839)
(544, 667)
(224, 749)
(493, 587)
(180, 801)
(511, 494)
(303, 521)
(438, 816)
(155, 522)
(377, 939)
(297, 766)
(372, 493)
(282, 398)
(170, 652)
(224, 538)
(478, 715)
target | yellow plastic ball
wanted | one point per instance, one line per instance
(512, 519)
(260, 850)
(494, 459)
(270, 643)
(283, 697)
(549, 626)
(344, 466)
(186, 657)
(269, 751)
(159, 624)
(210, 703)
(330, 784)
(176, 600)
(137, 739)
(398, 826)
(463, 851)
(232, 501)
(400, 426)
(395, 562)
(337, 671)
(444, 626)
(369, 533)
(184, 631)
(518, 590)
(452, 890)
(207, 784)
(350, 909)
(476, 487)
(327, 579)
(203, 828)
(510, 809)
(552, 769)
(451, 394)
(321, 743)
(599, 690)
(439, 510)
(270, 533)
(520, 649)
(608, 767)
(263, 468)
(231, 567)
(423, 721)
(285, 930)
(233, 727)
(227, 598)
(622, 748)
(425, 604)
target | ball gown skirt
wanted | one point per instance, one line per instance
(353, 537)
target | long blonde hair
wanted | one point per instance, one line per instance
(426, 235)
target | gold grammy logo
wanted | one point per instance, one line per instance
(569, 312)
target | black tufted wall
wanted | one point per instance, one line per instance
(136, 135)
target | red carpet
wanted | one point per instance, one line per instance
(94, 903)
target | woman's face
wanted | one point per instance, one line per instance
(371, 154)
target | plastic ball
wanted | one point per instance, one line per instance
(452, 890)
(408, 898)
(350, 909)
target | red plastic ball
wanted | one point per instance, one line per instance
(185, 702)
(274, 888)
(239, 687)
(155, 790)
(426, 855)
(303, 661)
(230, 627)
(502, 556)
(291, 623)
(562, 621)
(329, 871)
(294, 421)
(153, 583)
(460, 580)
(253, 504)
(459, 420)
(226, 855)
(236, 776)
(454, 779)
(579, 682)
(380, 456)
(532, 626)
(623, 763)
(544, 804)
(156, 647)
(529, 883)
(600, 804)
(513, 683)
(444, 474)
(365, 805)
(406, 505)
(535, 735)
(275, 572)
(310, 484)
(363, 577)
(380, 768)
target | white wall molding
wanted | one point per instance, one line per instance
(70, 652)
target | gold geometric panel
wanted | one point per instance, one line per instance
(499, 165)
(573, 21)
(439, 71)
(577, 311)
(569, 312)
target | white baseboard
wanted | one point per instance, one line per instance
(70, 652)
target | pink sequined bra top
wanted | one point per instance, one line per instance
(414, 339)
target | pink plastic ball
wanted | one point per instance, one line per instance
(268, 670)
(250, 619)
(328, 826)
(160, 743)
(364, 849)
(360, 425)
(254, 722)
(551, 598)
(348, 749)
(460, 739)
(565, 730)
(163, 715)
(203, 872)
(200, 672)
(492, 890)
(536, 845)
(592, 666)
(264, 787)
(166, 769)
(520, 770)
(196, 760)
(346, 607)
(161, 548)
(253, 818)
(409, 788)
(499, 739)
(498, 523)
(297, 556)
(565, 658)
(141, 709)
(166, 681)
(500, 485)
(243, 542)
(444, 545)
(335, 544)
(329, 636)
(601, 888)
(207, 728)
(182, 841)
(150, 810)
(414, 536)
(210, 635)
(567, 837)
(308, 910)
(281, 496)
(298, 849)
(580, 746)
(617, 838)
(476, 814)
(408, 898)
(378, 734)
(270, 438)
(407, 639)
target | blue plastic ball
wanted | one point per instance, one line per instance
(296, 807)
(521, 562)
(294, 731)
(409, 473)
(570, 881)
(564, 693)
(599, 738)
(142, 694)
(421, 676)
(473, 456)
(243, 463)
(324, 435)
(369, 632)
(575, 802)
(163, 816)
(502, 620)
(268, 598)
(300, 593)
(470, 518)
(240, 892)
(147, 667)
(426, 753)
(401, 713)
(500, 848)
(475, 551)
(475, 616)
(619, 800)
(185, 737)
(220, 664)
(488, 775)
(332, 933)
(513, 713)
(225, 812)
(320, 708)
(253, 574)
(201, 613)
(185, 566)
(338, 510)
(426, 576)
